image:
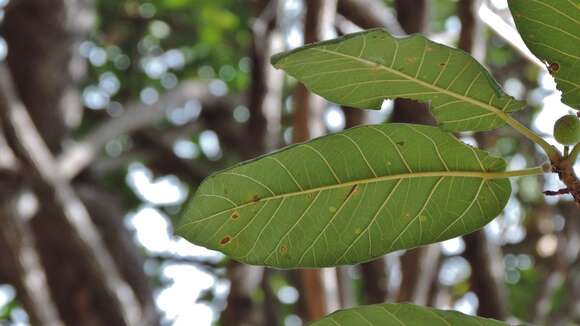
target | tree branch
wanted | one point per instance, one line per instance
(508, 33)
(31, 148)
(370, 14)
(26, 266)
(137, 116)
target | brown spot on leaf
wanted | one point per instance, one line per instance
(409, 60)
(235, 215)
(255, 198)
(225, 240)
(442, 64)
(284, 249)
(553, 67)
(401, 143)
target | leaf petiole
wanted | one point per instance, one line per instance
(552, 152)
(516, 173)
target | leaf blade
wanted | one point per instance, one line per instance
(550, 30)
(379, 66)
(347, 198)
(403, 314)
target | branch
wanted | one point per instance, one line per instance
(8, 160)
(33, 151)
(137, 116)
(370, 14)
(508, 33)
(25, 264)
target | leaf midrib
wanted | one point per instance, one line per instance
(483, 105)
(465, 174)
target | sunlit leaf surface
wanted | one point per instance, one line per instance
(402, 315)
(551, 29)
(347, 198)
(363, 69)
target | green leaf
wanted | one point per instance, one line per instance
(402, 314)
(363, 69)
(551, 29)
(347, 198)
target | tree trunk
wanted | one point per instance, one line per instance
(92, 282)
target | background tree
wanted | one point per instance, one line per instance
(112, 112)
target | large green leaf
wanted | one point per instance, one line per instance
(551, 29)
(363, 69)
(347, 198)
(403, 314)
